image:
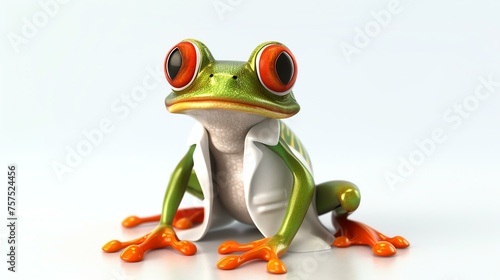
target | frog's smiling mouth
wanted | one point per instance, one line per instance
(182, 105)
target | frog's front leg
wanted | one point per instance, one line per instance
(271, 248)
(343, 198)
(163, 235)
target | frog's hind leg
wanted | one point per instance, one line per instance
(342, 198)
(184, 218)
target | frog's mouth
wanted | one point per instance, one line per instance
(181, 106)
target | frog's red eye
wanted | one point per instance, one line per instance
(182, 64)
(276, 68)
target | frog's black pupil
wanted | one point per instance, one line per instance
(284, 68)
(174, 63)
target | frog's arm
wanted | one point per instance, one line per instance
(163, 235)
(301, 196)
(177, 187)
(271, 248)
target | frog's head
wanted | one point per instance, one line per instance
(261, 86)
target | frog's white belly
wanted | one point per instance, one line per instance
(227, 131)
(227, 179)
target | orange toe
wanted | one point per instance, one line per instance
(187, 218)
(398, 242)
(276, 266)
(229, 262)
(228, 247)
(183, 223)
(133, 253)
(341, 242)
(185, 247)
(384, 249)
(112, 246)
(133, 221)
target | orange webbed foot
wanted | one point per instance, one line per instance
(161, 236)
(356, 233)
(262, 249)
(184, 218)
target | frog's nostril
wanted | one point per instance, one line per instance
(211, 75)
(235, 77)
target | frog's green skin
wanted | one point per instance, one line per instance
(228, 99)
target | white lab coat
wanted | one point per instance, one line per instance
(267, 185)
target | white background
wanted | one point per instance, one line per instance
(361, 116)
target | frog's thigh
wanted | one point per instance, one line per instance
(194, 186)
(341, 196)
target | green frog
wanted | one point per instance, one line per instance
(243, 163)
